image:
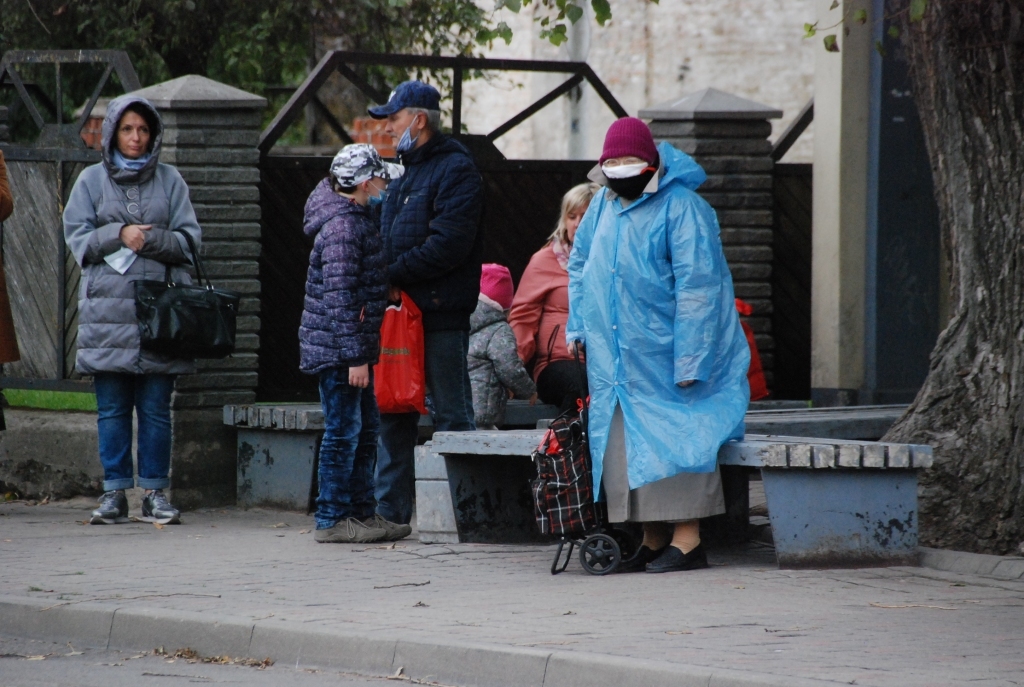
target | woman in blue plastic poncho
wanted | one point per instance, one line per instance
(651, 298)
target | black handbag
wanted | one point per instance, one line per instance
(186, 321)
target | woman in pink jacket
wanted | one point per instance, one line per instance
(541, 307)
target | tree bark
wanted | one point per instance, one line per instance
(967, 62)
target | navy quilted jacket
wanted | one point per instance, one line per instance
(431, 228)
(346, 286)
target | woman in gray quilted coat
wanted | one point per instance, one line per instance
(495, 370)
(118, 224)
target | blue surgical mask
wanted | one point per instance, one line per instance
(407, 142)
(377, 199)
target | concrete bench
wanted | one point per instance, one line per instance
(831, 502)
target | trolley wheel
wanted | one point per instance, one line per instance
(600, 554)
(627, 543)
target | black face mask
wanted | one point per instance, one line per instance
(631, 188)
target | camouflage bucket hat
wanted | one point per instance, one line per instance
(358, 162)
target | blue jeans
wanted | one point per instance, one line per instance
(348, 449)
(150, 395)
(451, 408)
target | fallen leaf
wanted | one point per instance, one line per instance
(73, 652)
(304, 531)
(278, 535)
(8, 541)
(279, 525)
(679, 632)
(158, 525)
(44, 501)
(569, 613)
(739, 587)
(35, 658)
(420, 604)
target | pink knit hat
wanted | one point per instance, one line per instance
(629, 136)
(496, 284)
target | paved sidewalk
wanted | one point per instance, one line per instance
(254, 582)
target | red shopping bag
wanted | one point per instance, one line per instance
(398, 377)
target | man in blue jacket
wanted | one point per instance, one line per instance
(430, 223)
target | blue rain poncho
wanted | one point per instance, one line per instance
(651, 296)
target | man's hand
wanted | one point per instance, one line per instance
(134, 235)
(394, 294)
(359, 377)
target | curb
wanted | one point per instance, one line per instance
(111, 627)
(1000, 567)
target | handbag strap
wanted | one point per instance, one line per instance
(200, 270)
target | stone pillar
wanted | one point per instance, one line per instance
(210, 135)
(842, 98)
(728, 136)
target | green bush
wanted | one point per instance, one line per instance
(50, 400)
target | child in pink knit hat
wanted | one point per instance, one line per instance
(495, 370)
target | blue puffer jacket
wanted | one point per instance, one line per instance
(431, 228)
(346, 286)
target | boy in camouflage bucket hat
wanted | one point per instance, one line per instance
(359, 162)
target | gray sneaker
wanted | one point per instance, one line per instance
(156, 508)
(392, 530)
(350, 531)
(113, 509)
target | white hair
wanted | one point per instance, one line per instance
(433, 117)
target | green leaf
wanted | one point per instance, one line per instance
(504, 31)
(556, 35)
(860, 16)
(879, 48)
(810, 30)
(830, 43)
(602, 11)
(513, 5)
(573, 12)
(917, 8)
(835, 4)
(894, 31)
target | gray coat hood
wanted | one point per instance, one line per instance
(115, 110)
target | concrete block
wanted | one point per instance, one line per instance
(737, 182)
(211, 175)
(738, 199)
(231, 231)
(959, 561)
(435, 513)
(202, 454)
(874, 456)
(50, 453)
(823, 456)
(234, 137)
(744, 218)
(750, 271)
(749, 254)
(747, 237)
(226, 213)
(211, 156)
(922, 456)
(1009, 569)
(711, 129)
(85, 624)
(205, 118)
(698, 147)
(899, 455)
(210, 635)
(849, 456)
(774, 456)
(430, 465)
(466, 664)
(737, 164)
(221, 250)
(224, 194)
(231, 269)
(752, 289)
(292, 644)
(219, 380)
(800, 456)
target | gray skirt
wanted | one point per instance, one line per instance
(682, 497)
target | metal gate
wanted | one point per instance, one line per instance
(522, 198)
(42, 275)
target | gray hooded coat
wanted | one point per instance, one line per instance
(494, 366)
(102, 201)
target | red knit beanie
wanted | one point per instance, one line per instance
(496, 284)
(629, 136)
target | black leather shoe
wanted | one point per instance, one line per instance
(639, 561)
(673, 559)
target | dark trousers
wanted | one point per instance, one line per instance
(451, 407)
(348, 450)
(559, 383)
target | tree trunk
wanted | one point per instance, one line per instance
(967, 62)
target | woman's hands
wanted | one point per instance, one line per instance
(134, 235)
(359, 377)
(685, 385)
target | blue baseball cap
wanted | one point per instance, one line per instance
(408, 94)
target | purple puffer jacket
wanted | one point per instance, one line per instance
(346, 286)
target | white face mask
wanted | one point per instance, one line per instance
(624, 171)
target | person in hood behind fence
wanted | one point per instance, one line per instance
(339, 340)
(118, 224)
(495, 370)
(651, 298)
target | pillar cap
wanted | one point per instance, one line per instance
(194, 92)
(709, 103)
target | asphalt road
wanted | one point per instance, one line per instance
(29, 663)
